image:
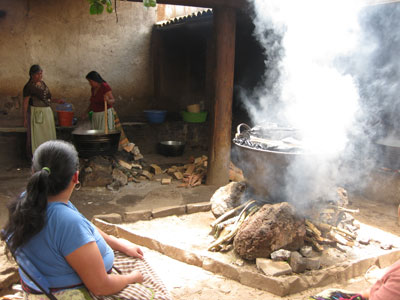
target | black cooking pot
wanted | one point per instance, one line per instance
(90, 143)
(171, 148)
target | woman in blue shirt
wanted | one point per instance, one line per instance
(75, 257)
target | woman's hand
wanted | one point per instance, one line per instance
(136, 277)
(134, 251)
(130, 249)
(109, 98)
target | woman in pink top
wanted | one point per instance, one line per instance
(388, 287)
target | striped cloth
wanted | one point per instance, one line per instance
(152, 288)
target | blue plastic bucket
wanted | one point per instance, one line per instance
(155, 116)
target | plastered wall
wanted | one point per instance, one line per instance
(68, 42)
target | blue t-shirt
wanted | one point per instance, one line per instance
(65, 231)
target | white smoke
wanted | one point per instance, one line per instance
(303, 87)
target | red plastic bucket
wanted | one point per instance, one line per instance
(65, 118)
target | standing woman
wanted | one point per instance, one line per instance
(100, 94)
(38, 115)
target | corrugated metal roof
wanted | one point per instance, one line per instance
(196, 16)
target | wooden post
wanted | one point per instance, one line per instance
(220, 145)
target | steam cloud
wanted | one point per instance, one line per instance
(332, 71)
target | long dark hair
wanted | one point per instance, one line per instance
(93, 75)
(53, 165)
(34, 69)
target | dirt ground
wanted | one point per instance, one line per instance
(183, 280)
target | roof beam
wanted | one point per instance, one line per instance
(203, 3)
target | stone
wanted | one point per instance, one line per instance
(228, 270)
(271, 228)
(198, 207)
(273, 268)
(101, 172)
(280, 255)
(169, 211)
(227, 198)
(120, 177)
(297, 262)
(363, 239)
(312, 263)
(306, 251)
(133, 216)
(110, 218)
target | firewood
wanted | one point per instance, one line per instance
(352, 211)
(216, 230)
(166, 181)
(327, 228)
(198, 160)
(137, 166)
(235, 228)
(125, 164)
(313, 228)
(147, 174)
(230, 213)
(178, 175)
(156, 169)
(189, 169)
(338, 238)
(314, 243)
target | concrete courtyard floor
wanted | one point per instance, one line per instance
(183, 280)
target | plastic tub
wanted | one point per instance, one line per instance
(194, 117)
(65, 118)
(155, 116)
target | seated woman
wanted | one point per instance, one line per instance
(76, 258)
(387, 287)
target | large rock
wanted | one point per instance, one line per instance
(272, 228)
(227, 198)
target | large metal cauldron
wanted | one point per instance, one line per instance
(389, 152)
(267, 171)
(90, 143)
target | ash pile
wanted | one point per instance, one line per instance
(280, 239)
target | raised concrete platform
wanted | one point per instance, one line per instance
(185, 238)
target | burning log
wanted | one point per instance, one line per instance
(327, 228)
(314, 243)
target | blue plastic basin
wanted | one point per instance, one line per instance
(155, 116)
